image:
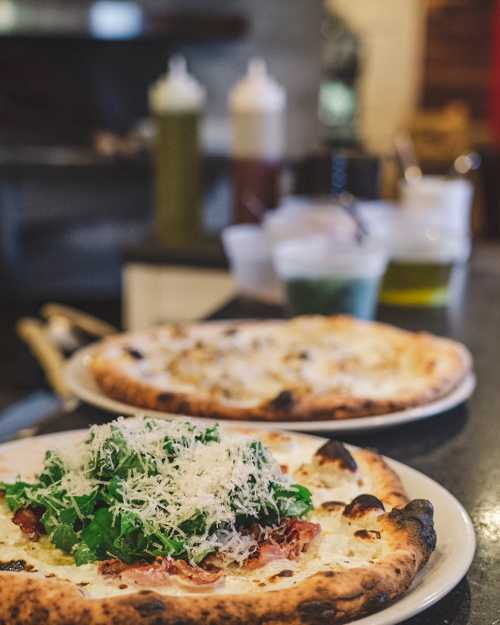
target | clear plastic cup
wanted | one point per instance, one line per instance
(251, 262)
(424, 257)
(446, 202)
(324, 276)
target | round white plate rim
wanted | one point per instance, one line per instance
(418, 597)
(87, 390)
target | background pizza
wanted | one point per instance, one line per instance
(305, 368)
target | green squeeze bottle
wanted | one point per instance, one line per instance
(177, 101)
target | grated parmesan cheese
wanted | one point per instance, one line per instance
(219, 480)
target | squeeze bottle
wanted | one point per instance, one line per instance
(257, 107)
(177, 101)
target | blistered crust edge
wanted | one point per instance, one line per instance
(327, 597)
(115, 384)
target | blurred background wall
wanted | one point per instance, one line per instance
(286, 34)
(393, 34)
(54, 70)
(60, 83)
(75, 176)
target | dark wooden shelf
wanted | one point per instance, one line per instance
(166, 27)
(48, 160)
(208, 256)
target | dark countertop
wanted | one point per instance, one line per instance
(459, 449)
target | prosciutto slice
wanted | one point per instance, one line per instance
(161, 572)
(28, 519)
(287, 541)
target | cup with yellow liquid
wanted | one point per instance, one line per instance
(424, 258)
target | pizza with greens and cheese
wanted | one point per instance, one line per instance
(144, 521)
(305, 368)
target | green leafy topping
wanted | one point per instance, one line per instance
(141, 488)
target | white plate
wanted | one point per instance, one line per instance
(81, 383)
(447, 566)
(452, 558)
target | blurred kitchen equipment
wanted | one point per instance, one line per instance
(465, 164)
(334, 171)
(26, 416)
(51, 358)
(325, 276)
(74, 318)
(356, 172)
(177, 101)
(65, 330)
(257, 106)
(440, 135)
(29, 415)
(115, 19)
(250, 257)
(112, 145)
(405, 152)
(350, 205)
(338, 97)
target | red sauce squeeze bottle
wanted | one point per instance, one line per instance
(258, 108)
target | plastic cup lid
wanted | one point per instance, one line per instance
(428, 243)
(246, 240)
(320, 256)
(417, 237)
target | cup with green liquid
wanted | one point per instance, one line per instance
(325, 276)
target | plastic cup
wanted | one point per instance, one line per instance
(424, 257)
(250, 259)
(324, 276)
(446, 202)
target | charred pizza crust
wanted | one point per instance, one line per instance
(441, 364)
(325, 598)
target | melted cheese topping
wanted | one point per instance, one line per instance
(336, 548)
(251, 363)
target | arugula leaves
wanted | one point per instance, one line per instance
(91, 528)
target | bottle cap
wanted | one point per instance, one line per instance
(257, 91)
(177, 90)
